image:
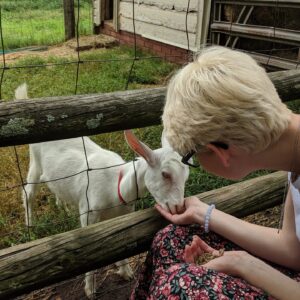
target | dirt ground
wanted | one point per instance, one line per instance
(67, 49)
(109, 284)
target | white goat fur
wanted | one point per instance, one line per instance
(160, 171)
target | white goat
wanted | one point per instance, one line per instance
(160, 172)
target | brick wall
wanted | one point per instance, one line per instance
(168, 52)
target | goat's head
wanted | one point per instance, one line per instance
(165, 176)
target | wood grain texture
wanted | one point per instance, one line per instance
(46, 119)
(34, 265)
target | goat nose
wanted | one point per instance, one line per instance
(180, 209)
(172, 208)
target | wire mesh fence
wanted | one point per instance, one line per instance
(17, 32)
(59, 220)
(32, 24)
(268, 30)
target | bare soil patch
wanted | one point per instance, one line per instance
(109, 285)
(68, 49)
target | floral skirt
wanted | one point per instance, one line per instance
(165, 275)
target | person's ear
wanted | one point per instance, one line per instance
(221, 153)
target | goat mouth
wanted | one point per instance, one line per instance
(167, 204)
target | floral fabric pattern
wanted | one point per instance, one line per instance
(165, 275)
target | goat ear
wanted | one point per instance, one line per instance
(139, 148)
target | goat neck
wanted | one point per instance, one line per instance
(132, 184)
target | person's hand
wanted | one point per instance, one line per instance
(194, 212)
(197, 248)
(235, 263)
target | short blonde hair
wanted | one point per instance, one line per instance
(225, 96)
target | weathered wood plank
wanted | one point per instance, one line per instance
(165, 18)
(277, 3)
(159, 33)
(291, 37)
(170, 4)
(288, 87)
(249, 196)
(39, 263)
(38, 120)
(84, 114)
(279, 63)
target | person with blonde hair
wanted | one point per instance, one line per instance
(223, 110)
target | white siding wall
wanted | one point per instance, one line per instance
(165, 20)
(97, 12)
(179, 5)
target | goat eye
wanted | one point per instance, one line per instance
(166, 175)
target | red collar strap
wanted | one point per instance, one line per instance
(119, 191)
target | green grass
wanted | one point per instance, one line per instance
(60, 80)
(24, 27)
(39, 22)
(94, 77)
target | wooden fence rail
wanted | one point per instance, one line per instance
(240, 24)
(276, 3)
(38, 120)
(290, 37)
(34, 265)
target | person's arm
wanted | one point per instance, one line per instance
(257, 273)
(282, 248)
(272, 281)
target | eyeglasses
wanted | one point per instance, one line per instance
(185, 159)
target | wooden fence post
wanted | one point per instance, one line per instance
(69, 18)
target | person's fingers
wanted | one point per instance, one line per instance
(193, 251)
(162, 207)
(217, 253)
(206, 247)
(221, 264)
(164, 213)
(188, 255)
(172, 209)
(196, 247)
(177, 219)
(180, 209)
(212, 264)
(225, 263)
(197, 250)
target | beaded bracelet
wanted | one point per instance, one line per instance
(207, 217)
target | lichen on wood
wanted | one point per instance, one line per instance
(50, 118)
(94, 123)
(16, 126)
